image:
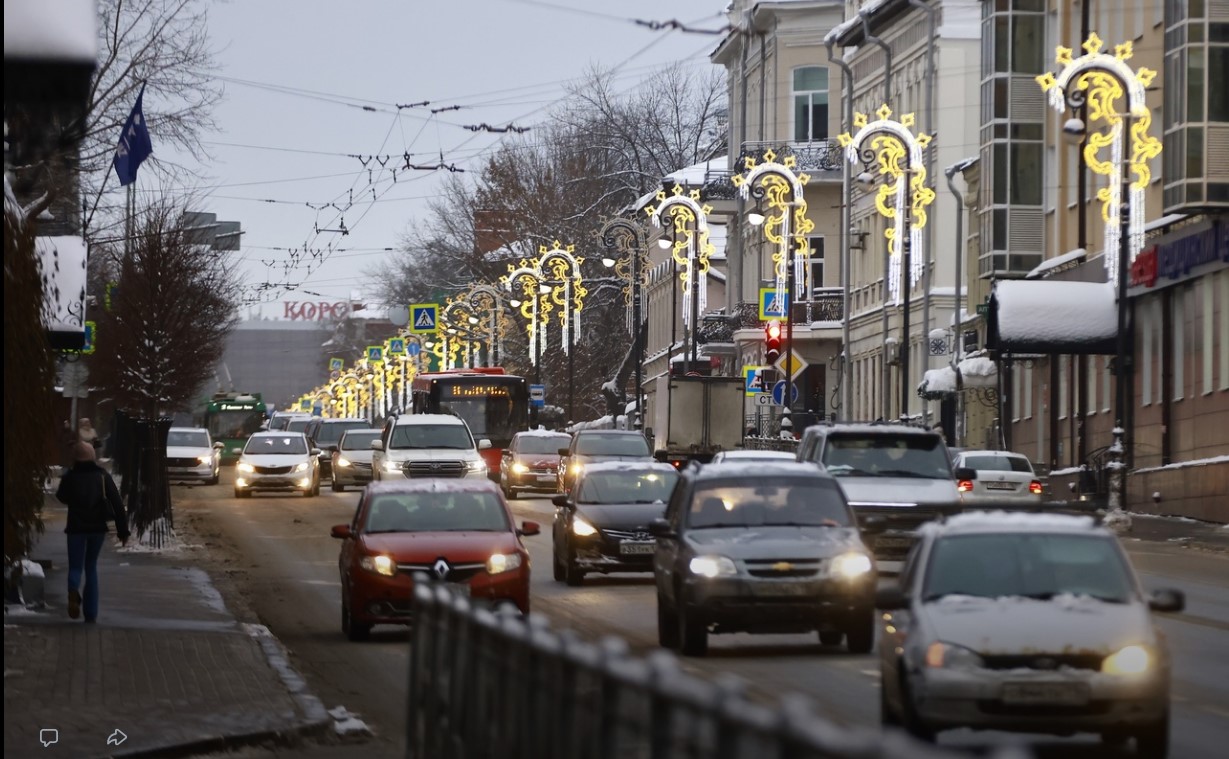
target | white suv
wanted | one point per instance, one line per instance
(415, 446)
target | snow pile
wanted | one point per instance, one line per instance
(1117, 520)
(146, 543)
(979, 371)
(1185, 464)
(31, 568)
(1012, 520)
(347, 724)
(937, 382)
(604, 423)
(1057, 261)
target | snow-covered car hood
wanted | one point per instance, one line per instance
(775, 542)
(274, 459)
(188, 452)
(902, 491)
(433, 454)
(1063, 624)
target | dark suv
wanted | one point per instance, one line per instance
(761, 548)
(591, 446)
(325, 434)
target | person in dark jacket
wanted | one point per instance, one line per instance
(92, 500)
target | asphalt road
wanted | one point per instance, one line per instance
(275, 553)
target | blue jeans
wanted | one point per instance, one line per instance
(83, 550)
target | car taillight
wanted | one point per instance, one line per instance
(964, 486)
(1034, 487)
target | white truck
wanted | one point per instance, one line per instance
(694, 418)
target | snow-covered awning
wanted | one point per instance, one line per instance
(976, 373)
(1053, 317)
(62, 260)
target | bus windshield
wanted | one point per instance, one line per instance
(237, 424)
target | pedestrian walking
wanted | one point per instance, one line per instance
(87, 434)
(68, 446)
(92, 500)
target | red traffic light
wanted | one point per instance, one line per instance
(772, 341)
(773, 330)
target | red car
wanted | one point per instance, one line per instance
(460, 532)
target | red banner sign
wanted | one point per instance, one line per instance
(316, 311)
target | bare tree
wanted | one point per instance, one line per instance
(174, 305)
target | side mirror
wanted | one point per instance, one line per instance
(340, 531)
(891, 598)
(872, 525)
(1167, 599)
(562, 451)
(965, 473)
(529, 528)
(219, 446)
(377, 445)
(660, 528)
(484, 444)
(316, 451)
(561, 500)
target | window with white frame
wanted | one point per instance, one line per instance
(815, 264)
(810, 103)
(1064, 369)
(1090, 384)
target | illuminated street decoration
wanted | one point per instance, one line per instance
(559, 268)
(1099, 79)
(534, 304)
(887, 143)
(781, 189)
(691, 249)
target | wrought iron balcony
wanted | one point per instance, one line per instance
(826, 305)
(813, 156)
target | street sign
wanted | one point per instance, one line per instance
(537, 396)
(763, 399)
(983, 309)
(305, 404)
(797, 366)
(753, 377)
(91, 332)
(399, 316)
(778, 393)
(413, 349)
(74, 378)
(336, 364)
(772, 306)
(375, 354)
(396, 346)
(424, 318)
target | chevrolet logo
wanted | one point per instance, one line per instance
(782, 566)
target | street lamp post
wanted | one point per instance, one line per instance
(1096, 80)
(618, 236)
(904, 199)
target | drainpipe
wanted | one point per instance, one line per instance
(958, 343)
(929, 162)
(741, 237)
(846, 221)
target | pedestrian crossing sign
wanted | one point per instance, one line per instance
(375, 354)
(773, 305)
(424, 318)
(755, 380)
(90, 331)
(396, 346)
(336, 364)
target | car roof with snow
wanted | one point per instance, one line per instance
(872, 428)
(1006, 454)
(432, 485)
(1012, 521)
(405, 419)
(277, 433)
(757, 471)
(627, 466)
(757, 455)
(542, 433)
(188, 429)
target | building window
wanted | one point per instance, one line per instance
(1090, 384)
(816, 263)
(810, 103)
(1064, 369)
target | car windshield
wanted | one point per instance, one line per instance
(279, 422)
(541, 443)
(1031, 565)
(998, 464)
(917, 456)
(612, 445)
(298, 425)
(330, 432)
(187, 438)
(359, 441)
(800, 503)
(436, 512)
(627, 487)
(416, 436)
(275, 444)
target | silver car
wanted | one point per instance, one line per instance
(192, 455)
(351, 461)
(1024, 622)
(1003, 480)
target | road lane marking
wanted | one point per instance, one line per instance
(331, 583)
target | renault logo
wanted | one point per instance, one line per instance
(441, 568)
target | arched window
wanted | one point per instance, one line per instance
(810, 103)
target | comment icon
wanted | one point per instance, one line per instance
(48, 736)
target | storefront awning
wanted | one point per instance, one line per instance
(1053, 318)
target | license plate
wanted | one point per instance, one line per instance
(459, 589)
(637, 548)
(1073, 694)
(1000, 486)
(546, 478)
(893, 542)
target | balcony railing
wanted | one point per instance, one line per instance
(814, 156)
(826, 305)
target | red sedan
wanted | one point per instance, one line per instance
(460, 532)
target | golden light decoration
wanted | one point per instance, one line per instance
(781, 187)
(1099, 80)
(560, 269)
(692, 250)
(535, 305)
(889, 143)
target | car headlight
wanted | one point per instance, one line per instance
(204, 459)
(392, 467)
(941, 655)
(245, 467)
(1132, 660)
(712, 566)
(519, 468)
(380, 564)
(342, 461)
(502, 562)
(851, 565)
(477, 465)
(301, 467)
(582, 528)
(576, 468)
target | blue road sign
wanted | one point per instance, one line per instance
(771, 306)
(753, 378)
(375, 353)
(413, 349)
(90, 330)
(336, 364)
(537, 396)
(778, 393)
(424, 318)
(396, 346)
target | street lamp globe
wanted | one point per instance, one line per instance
(663, 243)
(755, 218)
(608, 262)
(866, 178)
(514, 303)
(1074, 130)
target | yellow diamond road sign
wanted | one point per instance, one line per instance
(797, 365)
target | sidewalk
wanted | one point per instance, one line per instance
(167, 664)
(1184, 531)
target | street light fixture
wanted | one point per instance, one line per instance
(691, 250)
(625, 237)
(1096, 80)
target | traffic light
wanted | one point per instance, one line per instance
(772, 341)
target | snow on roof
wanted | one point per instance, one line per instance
(940, 381)
(840, 30)
(542, 432)
(1056, 261)
(1010, 521)
(697, 173)
(760, 469)
(1164, 221)
(369, 313)
(1040, 316)
(66, 30)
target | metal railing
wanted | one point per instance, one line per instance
(487, 685)
(826, 305)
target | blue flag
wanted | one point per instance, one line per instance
(134, 145)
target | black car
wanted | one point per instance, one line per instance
(325, 434)
(591, 446)
(761, 548)
(602, 524)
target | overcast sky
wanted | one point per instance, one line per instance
(505, 61)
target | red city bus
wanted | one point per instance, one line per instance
(494, 405)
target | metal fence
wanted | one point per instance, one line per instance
(487, 685)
